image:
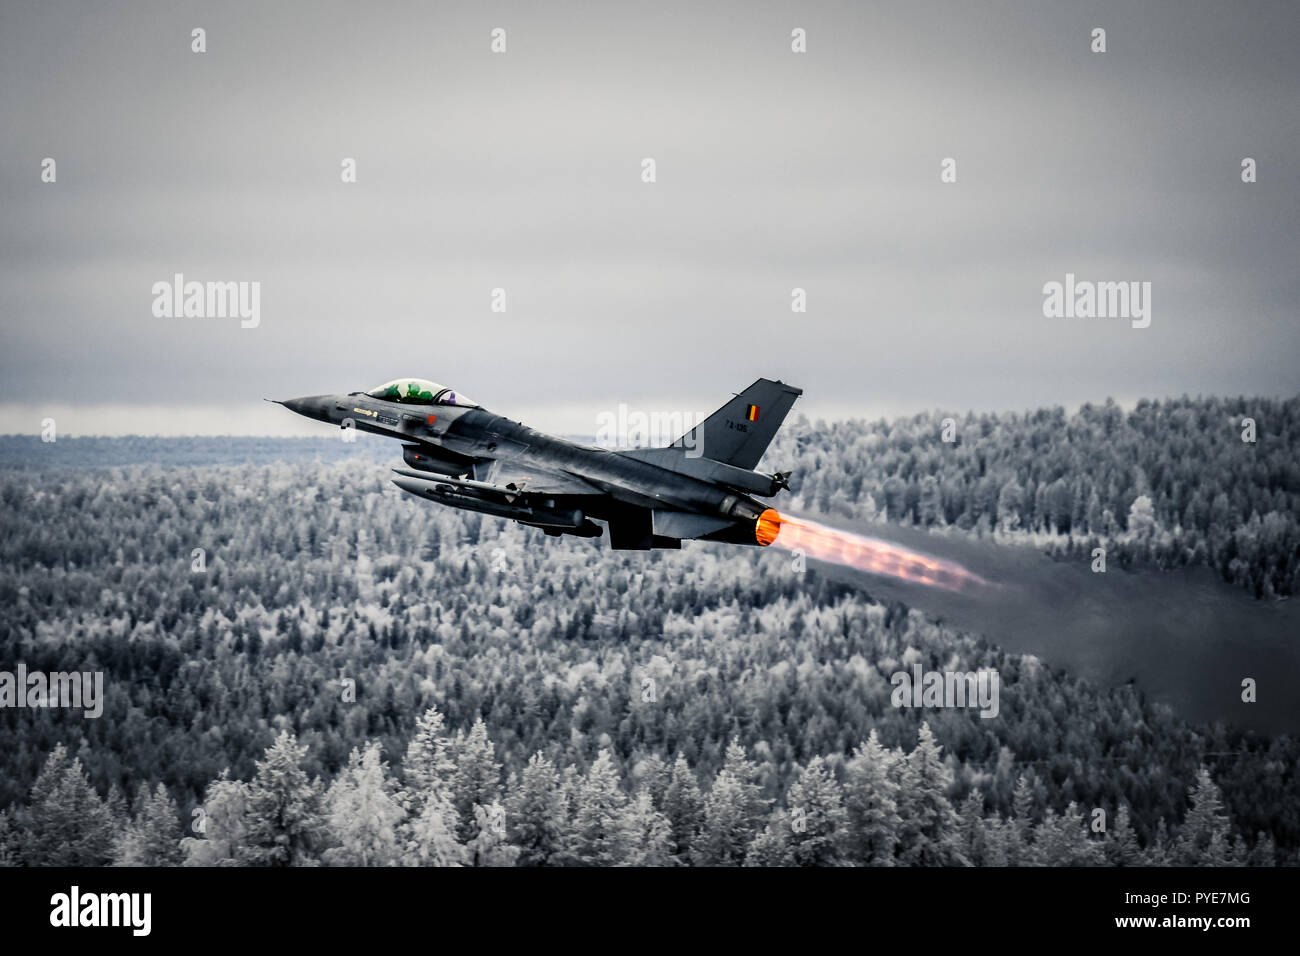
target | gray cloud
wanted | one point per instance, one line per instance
(522, 171)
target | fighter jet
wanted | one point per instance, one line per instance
(702, 486)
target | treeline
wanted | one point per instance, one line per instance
(1171, 482)
(449, 805)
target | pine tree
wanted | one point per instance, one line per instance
(1141, 518)
(10, 840)
(1063, 839)
(154, 837)
(1263, 853)
(734, 812)
(1010, 502)
(974, 830)
(428, 762)
(1159, 851)
(654, 776)
(772, 846)
(746, 773)
(224, 840)
(683, 805)
(1121, 846)
(1204, 839)
(929, 832)
(428, 834)
(726, 835)
(1021, 850)
(871, 801)
(430, 838)
(118, 811)
(997, 834)
(600, 836)
(363, 813)
(70, 825)
(650, 841)
(490, 846)
(817, 817)
(537, 813)
(476, 781)
(285, 827)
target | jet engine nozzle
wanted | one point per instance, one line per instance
(767, 527)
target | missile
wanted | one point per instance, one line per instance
(445, 489)
(462, 484)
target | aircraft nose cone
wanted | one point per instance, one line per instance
(312, 406)
(300, 405)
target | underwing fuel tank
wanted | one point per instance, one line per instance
(419, 458)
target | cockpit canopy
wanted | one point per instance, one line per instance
(419, 391)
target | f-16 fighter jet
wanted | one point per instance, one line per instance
(702, 486)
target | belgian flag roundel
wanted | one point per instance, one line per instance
(751, 413)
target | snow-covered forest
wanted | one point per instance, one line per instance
(303, 665)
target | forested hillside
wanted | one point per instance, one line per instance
(704, 706)
(1171, 482)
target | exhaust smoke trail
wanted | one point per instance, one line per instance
(1182, 635)
(872, 555)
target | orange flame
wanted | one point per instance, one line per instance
(872, 555)
(768, 527)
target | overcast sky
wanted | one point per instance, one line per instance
(522, 171)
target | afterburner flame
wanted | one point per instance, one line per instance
(768, 527)
(858, 551)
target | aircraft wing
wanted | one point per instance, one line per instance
(537, 481)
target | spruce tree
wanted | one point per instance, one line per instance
(430, 838)
(70, 824)
(285, 826)
(600, 835)
(1121, 846)
(1021, 850)
(1204, 839)
(153, 838)
(974, 829)
(772, 846)
(817, 819)
(1063, 839)
(223, 840)
(363, 813)
(929, 831)
(490, 846)
(735, 811)
(476, 780)
(537, 813)
(650, 841)
(11, 837)
(683, 805)
(871, 802)
(428, 762)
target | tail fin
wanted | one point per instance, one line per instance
(739, 432)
